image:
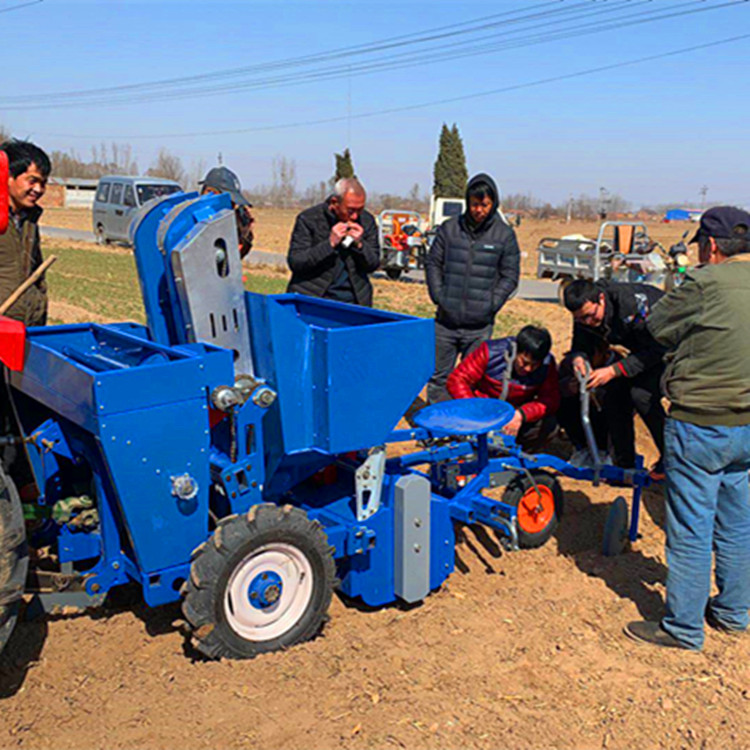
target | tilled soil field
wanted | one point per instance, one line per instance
(516, 650)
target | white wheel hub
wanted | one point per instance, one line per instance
(268, 592)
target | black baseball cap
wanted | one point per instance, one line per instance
(723, 223)
(225, 181)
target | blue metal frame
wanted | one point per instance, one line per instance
(129, 410)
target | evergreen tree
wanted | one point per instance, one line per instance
(344, 165)
(450, 174)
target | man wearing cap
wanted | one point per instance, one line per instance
(334, 247)
(223, 180)
(704, 324)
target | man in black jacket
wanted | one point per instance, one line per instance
(619, 314)
(472, 269)
(334, 247)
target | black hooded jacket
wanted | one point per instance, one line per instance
(627, 308)
(472, 270)
(317, 267)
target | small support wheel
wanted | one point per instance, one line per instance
(539, 507)
(262, 582)
(394, 274)
(14, 556)
(616, 528)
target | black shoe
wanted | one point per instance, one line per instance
(644, 631)
(714, 622)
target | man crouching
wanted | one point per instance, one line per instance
(520, 370)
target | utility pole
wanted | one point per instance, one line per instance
(570, 209)
(703, 192)
(220, 159)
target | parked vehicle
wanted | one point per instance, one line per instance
(622, 251)
(117, 199)
(402, 241)
(442, 209)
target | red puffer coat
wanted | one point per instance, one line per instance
(481, 375)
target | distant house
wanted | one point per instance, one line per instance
(70, 192)
(683, 214)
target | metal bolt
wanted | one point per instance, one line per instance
(128, 442)
(114, 438)
(358, 551)
(144, 459)
(115, 566)
(418, 522)
(95, 587)
(417, 548)
(253, 483)
(158, 471)
(360, 534)
(254, 595)
(264, 576)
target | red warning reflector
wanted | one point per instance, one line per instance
(3, 191)
(12, 342)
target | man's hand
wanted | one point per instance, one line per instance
(514, 425)
(601, 377)
(356, 232)
(579, 365)
(338, 232)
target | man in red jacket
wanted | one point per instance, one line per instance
(520, 370)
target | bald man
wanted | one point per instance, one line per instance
(334, 247)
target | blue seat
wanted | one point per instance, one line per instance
(465, 416)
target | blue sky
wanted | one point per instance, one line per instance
(654, 132)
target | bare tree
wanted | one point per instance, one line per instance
(167, 165)
(4, 134)
(284, 185)
(195, 174)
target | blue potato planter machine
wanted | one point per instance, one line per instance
(232, 453)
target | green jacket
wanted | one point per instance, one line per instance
(20, 256)
(705, 324)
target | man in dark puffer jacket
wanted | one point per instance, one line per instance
(334, 247)
(472, 269)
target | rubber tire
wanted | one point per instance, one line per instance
(394, 274)
(215, 560)
(615, 538)
(99, 236)
(517, 488)
(14, 556)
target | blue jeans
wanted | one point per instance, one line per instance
(708, 510)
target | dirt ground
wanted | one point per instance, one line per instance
(273, 228)
(516, 650)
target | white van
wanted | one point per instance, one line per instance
(118, 197)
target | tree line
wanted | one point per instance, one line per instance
(450, 176)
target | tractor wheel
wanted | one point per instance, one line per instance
(14, 556)
(538, 512)
(394, 274)
(262, 582)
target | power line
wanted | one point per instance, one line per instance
(421, 105)
(376, 46)
(22, 5)
(411, 59)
